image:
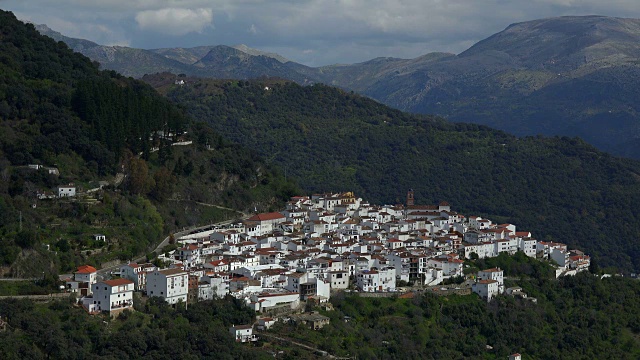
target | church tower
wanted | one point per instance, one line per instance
(410, 201)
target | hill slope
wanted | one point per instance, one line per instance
(58, 112)
(562, 189)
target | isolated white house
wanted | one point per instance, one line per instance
(493, 274)
(487, 289)
(243, 333)
(66, 191)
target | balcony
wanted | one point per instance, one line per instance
(125, 304)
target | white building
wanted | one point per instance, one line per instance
(66, 191)
(561, 257)
(170, 284)
(83, 278)
(483, 250)
(487, 289)
(137, 273)
(315, 288)
(493, 274)
(450, 267)
(189, 255)
(338, 279)
(377, 280)
(433, 276)
(112, 296)
(528, 246)
(266, 301)
(264, 223)
(243, 333)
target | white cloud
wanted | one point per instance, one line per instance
(175, 21)
(253, 30)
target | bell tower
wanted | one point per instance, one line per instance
(410, 200)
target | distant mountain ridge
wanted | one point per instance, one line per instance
(573, 76)
(559, 76)
(216, 61)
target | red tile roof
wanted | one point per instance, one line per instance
(118, 282)
(86, 269)
(266, 216)
(487, 281)
(171, 272)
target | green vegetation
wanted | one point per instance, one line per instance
(575, 317)
(26, 287)
(519, 265)
(560, 189)
(111, 135)
(60, 330)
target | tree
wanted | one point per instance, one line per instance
(138, 180)
(164, 183)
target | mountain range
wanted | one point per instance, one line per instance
(572, 76)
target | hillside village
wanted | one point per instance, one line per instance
(322, 244)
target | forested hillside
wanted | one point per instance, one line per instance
(156, 331)
(561, 189)
(574, 318)
(580, 317)
(63, 121)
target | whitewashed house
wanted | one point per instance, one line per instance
(493, 274)
(112, 296)
(487, 289)
(377, 280)
(170, 284)
(83, 278)
(67, 191)
(243, 333)
(137, 273)
(338, 279)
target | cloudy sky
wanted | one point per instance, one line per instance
(312, 32)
